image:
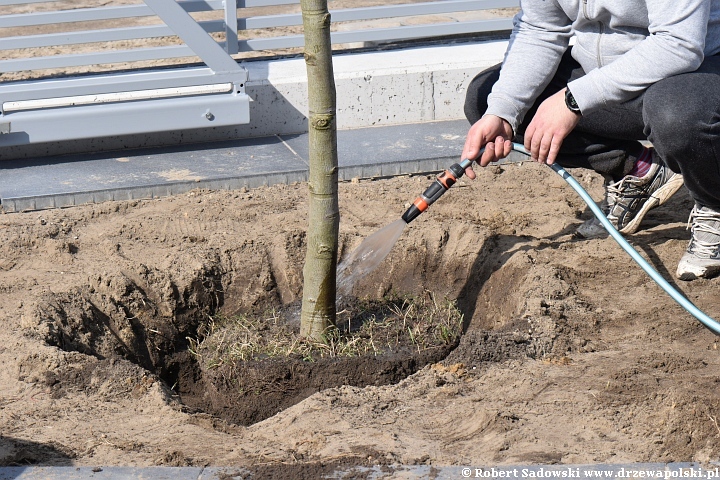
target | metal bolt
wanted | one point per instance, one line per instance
(209, 115)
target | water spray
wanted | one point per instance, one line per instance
(373, 250)
(449, 177)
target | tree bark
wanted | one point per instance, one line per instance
(319, 272)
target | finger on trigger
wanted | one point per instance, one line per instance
(488, 155)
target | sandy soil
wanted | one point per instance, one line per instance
(571, 355)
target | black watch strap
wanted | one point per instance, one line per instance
(571, 103)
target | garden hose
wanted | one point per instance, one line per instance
(449, 177)
(664, 284)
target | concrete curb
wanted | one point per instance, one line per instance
(379, 88)
(150, 173)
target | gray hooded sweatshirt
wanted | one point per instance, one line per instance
(624, 46)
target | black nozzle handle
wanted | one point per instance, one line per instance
(433, 192)
(436, 189)
(428, 197)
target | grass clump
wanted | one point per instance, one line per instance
(370, 327)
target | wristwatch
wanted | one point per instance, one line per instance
(571, 103)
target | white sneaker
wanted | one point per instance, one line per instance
(702, 258)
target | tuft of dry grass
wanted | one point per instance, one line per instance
(369, 327)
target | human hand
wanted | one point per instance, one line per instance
(494, 134)
(549, 127)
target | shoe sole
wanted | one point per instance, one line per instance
(708, 272)
(657, 198)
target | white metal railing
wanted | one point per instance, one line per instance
(69, 108)
(122, 34)
(46, 46)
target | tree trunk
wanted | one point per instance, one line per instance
(318, 306)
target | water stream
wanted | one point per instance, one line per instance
(367, 256)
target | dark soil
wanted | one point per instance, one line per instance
(251, 391)
(117, 320)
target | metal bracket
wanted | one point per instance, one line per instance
(194, 36)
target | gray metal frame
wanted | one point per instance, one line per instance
(120, 113)
(230, 26)
(68, 121)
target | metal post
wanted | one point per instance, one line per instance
(231, 27)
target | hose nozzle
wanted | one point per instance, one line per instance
(442, 183)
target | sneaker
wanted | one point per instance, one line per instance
(702, 258)
(632, 197)
(593, 228)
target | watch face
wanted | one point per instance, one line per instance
(573, 103)
(570, 102)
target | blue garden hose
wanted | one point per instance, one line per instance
(449, 177)
(677, 296)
